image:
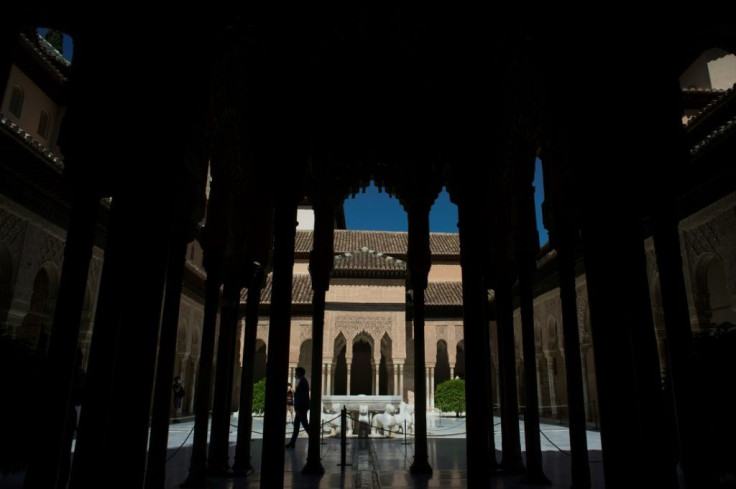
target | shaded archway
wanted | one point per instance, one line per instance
(305, 358)
(442, 367)
(36, 324)
(361, 367)
(340, 380)
(259, 361)
(385, 368)
(460, 359)
(712, 300)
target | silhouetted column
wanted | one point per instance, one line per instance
(158, 444)
(534, 472)
(631, 440)
(242, 465)
(573, 368)
(202, 397)
(119, 391)
(321, 262)
(218, 458)
(684, 367)
(586, 388)
(419, 260)
(510, 437)
(274, 428)
(479, 430)
(57, 428)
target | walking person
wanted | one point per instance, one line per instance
(301, 405)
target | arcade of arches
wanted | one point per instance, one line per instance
(163, 239)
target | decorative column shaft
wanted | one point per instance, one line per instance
(202, 396)
(57, 426)
(535, 473)
(419, 260)
(511, 439)
(279, 334)
(158, 444)
(242, 465)
(573, 367)
(218, 457)
(321, 263)
(481, 459)
(113, 339)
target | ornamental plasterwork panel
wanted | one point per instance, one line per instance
(699, 240)
(441, 332)
(375, 326)
(459, 334)
(262, 333)
(12, 232)
(52, 250)
(305, 333)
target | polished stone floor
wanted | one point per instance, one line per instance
(378, 462)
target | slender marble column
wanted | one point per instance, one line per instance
(274, 428)
(242, 465)
(158, 444)
(53, 453)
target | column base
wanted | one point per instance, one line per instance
(515, 466)
(195, 481)
(420, 467)
(313, 467)
(219, 471)
(242, 469)
(538, 479)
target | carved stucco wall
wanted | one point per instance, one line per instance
(709, 232)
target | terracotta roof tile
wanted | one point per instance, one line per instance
(366, 259)
(301, 290)
(444, 294)
(387, 242)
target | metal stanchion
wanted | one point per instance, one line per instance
(405, 442)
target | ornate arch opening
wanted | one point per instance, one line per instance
(385, 367)
(460, 362)
(442, 366)
(305, 358)
(259, 361)
(340, 380)
(712, 298)
(362, 365)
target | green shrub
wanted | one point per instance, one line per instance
(450, 396)
(259, 396)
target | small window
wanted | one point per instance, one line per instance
(16, 101)
(43, 125)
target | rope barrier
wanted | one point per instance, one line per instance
(181, 446)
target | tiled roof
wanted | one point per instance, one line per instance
(301, 290)
(387, 242)
(366, 259)
(444, 294)
(438, 293)
(34, 145)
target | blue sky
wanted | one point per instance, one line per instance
(379, 212)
